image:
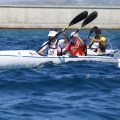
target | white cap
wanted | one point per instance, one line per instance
(73, 34)
(52, 33)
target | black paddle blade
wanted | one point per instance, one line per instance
(90, 18)
(79, 18)
(93, 29)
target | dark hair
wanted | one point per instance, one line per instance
(97, 36)
(53, 29)
(93, 29)
(98, 31)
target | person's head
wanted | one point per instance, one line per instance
(74, 36)
(93, 29)
(52, 34)
(97, 33)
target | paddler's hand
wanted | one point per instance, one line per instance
(88, 47)
(88, 37)
(63, 31)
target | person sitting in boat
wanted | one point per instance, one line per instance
(98, 43)
(76, 46)
(54, 46)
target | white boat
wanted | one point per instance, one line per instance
(119, 62)
(30, 58)
(106, 53)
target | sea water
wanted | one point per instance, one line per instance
(86, 90)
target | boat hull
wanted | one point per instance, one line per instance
(119, 62)
(30, 58)
(108, 52)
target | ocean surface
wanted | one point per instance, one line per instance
(85, 90)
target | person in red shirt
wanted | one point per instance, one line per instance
(76, 46)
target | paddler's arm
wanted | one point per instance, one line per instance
(91, 43)
(79, 39)
(66, 37)
(40, 51)
(96, 40)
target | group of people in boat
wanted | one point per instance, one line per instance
(73, 46)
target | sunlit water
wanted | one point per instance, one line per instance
(84, 90)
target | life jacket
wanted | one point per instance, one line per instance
(76, 50)
(102, 44)
(54, 50)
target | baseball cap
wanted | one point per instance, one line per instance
(52, 33)
(74, 34)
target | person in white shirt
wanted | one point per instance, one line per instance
(54, 47)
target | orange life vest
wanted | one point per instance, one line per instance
(75, 50)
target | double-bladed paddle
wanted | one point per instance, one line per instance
(87, 20)
(77, 19)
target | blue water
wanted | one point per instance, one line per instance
(85, 90)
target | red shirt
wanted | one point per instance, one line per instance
(75, 49)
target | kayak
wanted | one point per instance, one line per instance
(30, 58)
